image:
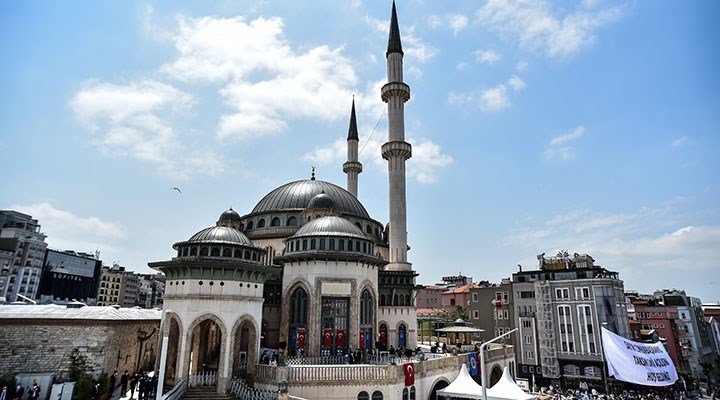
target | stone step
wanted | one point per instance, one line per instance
(205, 393)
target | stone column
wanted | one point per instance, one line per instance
(163, 360)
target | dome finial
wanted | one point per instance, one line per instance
(312, 174)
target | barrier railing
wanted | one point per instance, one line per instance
(208, 378)
(176, 392)
(348, 373)
(240, 390)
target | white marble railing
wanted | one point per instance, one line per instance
(244, 392)
(208, 378)
(266, 373)
(176, 392)
(307, 373)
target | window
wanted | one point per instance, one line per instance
(275, 222)
(526, 323)
(505, 314)
(529, 354)
(261, 223)
(475, 297)
(476, 314)
(298, 307)
(505, 297)
(562, 293)
(524, 368)
(377, 395)
(227, 252)
(363, 396)
(582, 293)
(292, 221)
(592, 348)
(250, 225)
(528, 339)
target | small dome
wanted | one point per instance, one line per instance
(330, 226)
(322, 200)
(230, 215)
(221, 234)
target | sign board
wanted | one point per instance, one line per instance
(523, 383)
(336, 289)
(641, 363)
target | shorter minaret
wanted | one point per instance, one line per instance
(352, 167)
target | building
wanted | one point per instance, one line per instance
(131, 294)
(456, 300)
(69, 275)
(112, 286)
(430, 296)
(150, 290)
(308, 272)
(24, 239)
(491, 308)
(90, 340)
(560, 309)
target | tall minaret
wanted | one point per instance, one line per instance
(352, 167)
(396, 151)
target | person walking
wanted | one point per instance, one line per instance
(19, 392)
(113, 382)
(154, 385)
(124, 379)
(4, 395)
(133, 385)
(96, 392)
(34, 392)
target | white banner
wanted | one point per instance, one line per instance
(640, 363)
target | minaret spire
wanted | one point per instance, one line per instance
(396, 151)
(352, 167)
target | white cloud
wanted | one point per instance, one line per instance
(536, 26)
(521, 66)
(456, 22)
(679, 142)
(460, 99)
(134, 121)
(516, 83)
(428, 158)
(69, 231)
(558, 148)
(487, 56)
(494, 99)
(575, 134)
(264, 81)
(461, 66)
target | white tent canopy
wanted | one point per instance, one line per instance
(464, 387)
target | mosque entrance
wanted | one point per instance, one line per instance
(205, 347)
(334, 325)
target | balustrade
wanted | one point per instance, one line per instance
(207, 378)
(240, 390)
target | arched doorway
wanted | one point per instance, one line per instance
(171, 362)
(205, 346)
(244, 349)
(495, 375)
(441, 384)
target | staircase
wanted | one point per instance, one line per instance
(205, 393)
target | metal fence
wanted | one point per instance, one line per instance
(240, 390)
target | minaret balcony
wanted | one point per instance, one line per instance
(352, 166)
(394, 89)
(396, 149)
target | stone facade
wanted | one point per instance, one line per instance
(46, 345)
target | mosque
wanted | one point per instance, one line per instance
(307, 271)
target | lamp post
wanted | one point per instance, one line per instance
(483, 379)
(604, 360)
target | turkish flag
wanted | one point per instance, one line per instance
(327, 337)
(340, 338)
(409, 369)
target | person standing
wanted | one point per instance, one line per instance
(133, 384)
(34, 392)
(113, 381)
(96, 392)
(124, 379)
(4, 395)
(19, 392)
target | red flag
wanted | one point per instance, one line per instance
(340, 338)
(327, 337)
(301, 338)
(409, 369)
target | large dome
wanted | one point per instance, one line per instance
(297, 195)
(329, 226)
(220, 234)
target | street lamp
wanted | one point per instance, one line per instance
(483, 379)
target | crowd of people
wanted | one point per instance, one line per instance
(583, 393)
(144, 384)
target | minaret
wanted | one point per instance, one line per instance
(352, 167)
(396, 151)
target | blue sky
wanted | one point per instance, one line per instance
(591, 126)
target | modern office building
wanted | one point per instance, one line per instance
(22, 236)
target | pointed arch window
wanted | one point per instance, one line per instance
(261, 223)
(292, 221)
(275, 222)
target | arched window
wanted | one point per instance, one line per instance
(405, 394)
(185, 252)
(395, 300)
(203, 251)
(254, 256)
(246, 255)
(363, 396)
(407, 300)
(364, 247)
(322, 244)
(304, 244)
(238, 253)
(215, 252)
(341, 245)
(377, 395)
(292, 221)
(193, 251)
(312, 244)
(357, 245)
(412, 392)
(250, 225)
(367, 308)
(359, 226)
(298, 307)
(377, 233)
(368, 229)
(402, 335)
(331, 244)
(382, 299)
(227, 252)
(261, 223)
(275, 222)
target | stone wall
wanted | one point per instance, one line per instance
(31, 346)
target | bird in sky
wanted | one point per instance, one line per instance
(176, 188)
